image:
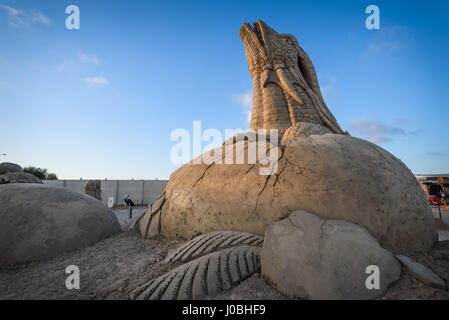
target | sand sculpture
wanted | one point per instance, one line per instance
(13, 173)
(93, 188)
(319, 168)
(40, 222)
(285, 85)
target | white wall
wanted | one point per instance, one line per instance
(140, 191)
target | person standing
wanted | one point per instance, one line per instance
(443, 198)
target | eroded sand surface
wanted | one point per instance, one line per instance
(112, 268)
(108, 270)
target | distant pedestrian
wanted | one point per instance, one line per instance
(128, 201)
(443, 198)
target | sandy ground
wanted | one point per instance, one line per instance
(443, 225)
(114, 267)
(444, 214)
(409, 288)
(110, 269)
(123, 214)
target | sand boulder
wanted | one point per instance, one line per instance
(93, 189)
(39, 222)
(19, 177)
(305, 256)
(335, 176)
(8, 167)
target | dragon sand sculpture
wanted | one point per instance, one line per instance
(285, 85)
(320, 168)
(331, 207)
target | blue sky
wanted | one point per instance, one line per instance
(101, 102)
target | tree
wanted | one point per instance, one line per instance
(40, 173)
(52, 176)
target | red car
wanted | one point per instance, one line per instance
(434, 199)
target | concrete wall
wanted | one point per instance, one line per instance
(140, 191)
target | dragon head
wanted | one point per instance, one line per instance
(277, 59)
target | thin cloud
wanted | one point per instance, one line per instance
(434, 154)
(248, 116)
(19, 18)
(416, 132)
(368, 127)
(96, 81)
(386, 45)
(74, 62)
(11, 11)
(327, 89)
(376, 132)
(401, 119)
(379, 132)
(330, 87)
(88, 58)
(388, 40)
(15, 16)
(245, 99)
(65, 64)
(39, 17)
